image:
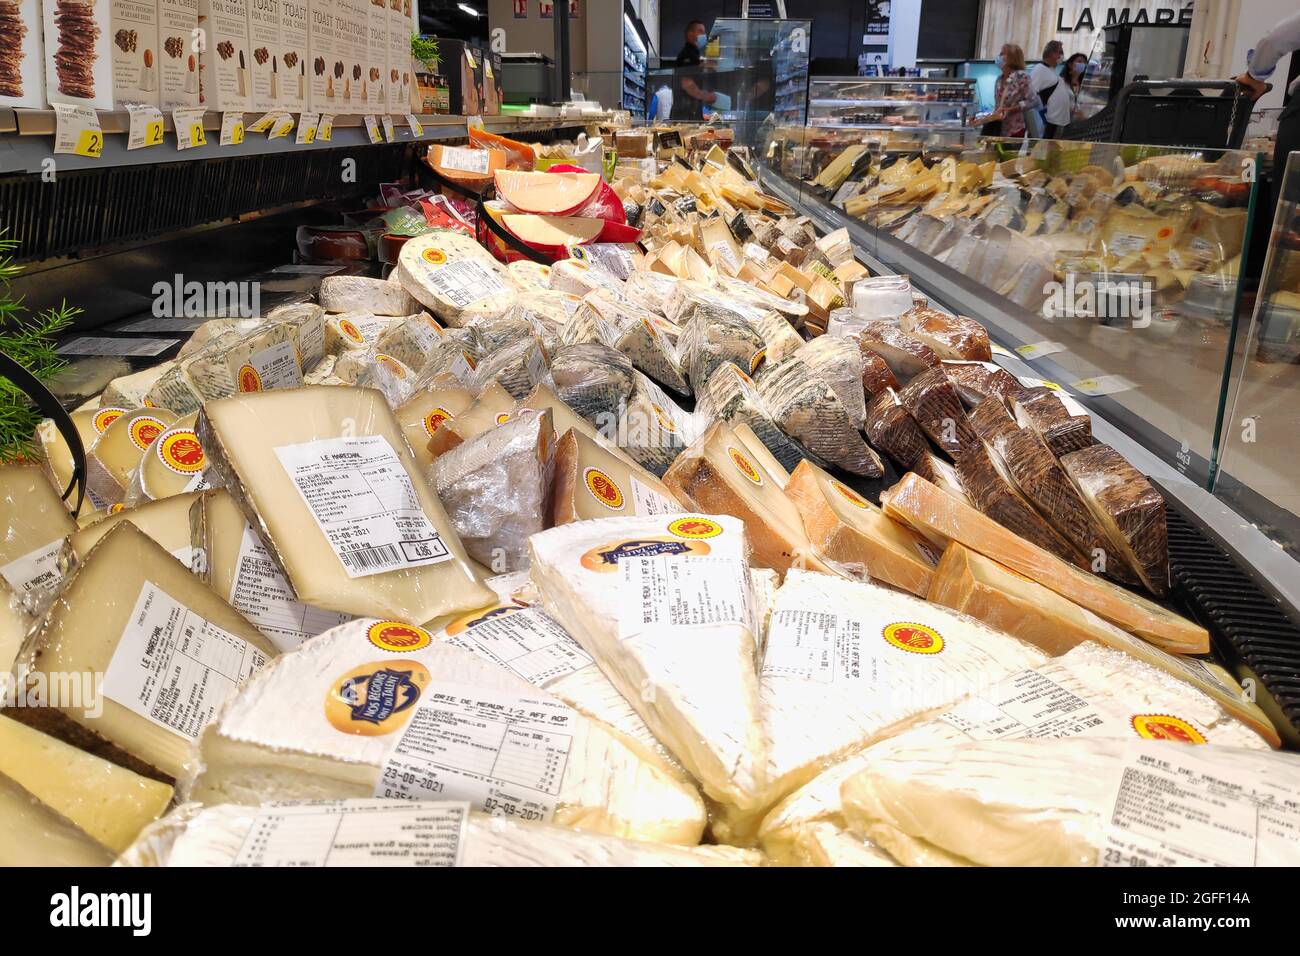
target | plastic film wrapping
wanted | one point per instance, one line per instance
(933, 402)
(731, 396)
(905, 355)
(518, 367)
(116, 454)
(976, 381)
(635, 332)
(942, 518)
(713, 335)
(594, 380)
(876, 374)
(411, 339)
(1040, 409)
(893, 430)
(839, 364)
(36, 521)
(949, 336)
(807, 409)
(1128, 507)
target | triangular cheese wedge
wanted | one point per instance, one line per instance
(424, 413)
(593, 482)
(32, 834)
(167, 522)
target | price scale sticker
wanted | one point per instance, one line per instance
(77, 131)
(372, 130)
(282, 126)
(417, 129)
(232, 129)
(189, 128)
(307, 124)
(390, 134)
(146, 126)
(325, 131)
(263, 124)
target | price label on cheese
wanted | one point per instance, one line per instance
(525, 640)
(390, 133)
(503, 753)
(281, 126)
(1031, 704)
(189, 128)
(146, 127)
(372, 130)
(77, 131)
(35, 571)
(465, 159)
(646, 501)
(307, 123)
(1103, 385)
(232, 129)
(363, 501)
(262, 124)
(670, 593)
(417, 130)
(325, 131)
(474, 122)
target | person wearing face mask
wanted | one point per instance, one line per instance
(1076, 68)
(1012, 95)
(1052, 90)
(689, 105)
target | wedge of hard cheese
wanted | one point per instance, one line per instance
(718, 475)
(290, 457)
(362, 294)
(387, 833)
(167, 522)
(117, 452)
(15, 622)
(170, 652)
(663, 606)
(379, 708)
(108, 802)
(1090, 692)
(854, 537)
(35, 522)
(174, 464)
(424, 413)
(591, 481)
(939, 516)
(33, 834)
(1067, 802)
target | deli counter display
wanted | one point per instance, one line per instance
(875, 103)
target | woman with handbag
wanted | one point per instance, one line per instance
(1012, 95)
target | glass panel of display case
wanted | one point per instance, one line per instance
(1256, 469)
(888, 103)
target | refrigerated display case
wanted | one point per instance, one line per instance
(635, 62)
(876, 103)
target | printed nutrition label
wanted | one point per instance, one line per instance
(260, 592)
(465, 281)
(364, 503)
(1030, 704)
(813, 645)
(672, 592)
(647, 502)
(503, 753)
(527, 641)
(175, 667)
(1174, 805)
(277, 366)
(353, 833)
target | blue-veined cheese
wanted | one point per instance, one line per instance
(362, 294)
(454, 277)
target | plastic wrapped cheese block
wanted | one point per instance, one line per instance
(807, 409)
(33, 834)
(876, 374)
(976, 381)
(838, 362)
(933, 402)
(564, 418)
(663, 607)
(847, 663)
(719, 475)
(580, 279)
(126, 611)
(949, 336)
(850, 534)
(410, 339)
(390, 833)
(518, 367)
(1090, 692)
(1078, 802)
(173, 464)
(634, 332)
(351, 331)
(56, 456)
(109, 803)
(731, 396)
(361, 294)
(941, 517)
(592, 482)
(36, 521)
(289, 457)
(893, 430)
(714, 335)
(905, 355)
(496, 488)
(166, 521)
(454, 277)
(307, 324)
(128, 391)
(117, 453)
(1040, 409)
(379, 708)
(424, 413)
(1129, 508)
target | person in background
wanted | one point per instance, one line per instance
(689, 105)
(1012, 95)
(1053, 93)
(1277, 43)
(1076, 68)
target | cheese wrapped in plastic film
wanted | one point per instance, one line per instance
(893, 430)
(1040, 409)
(933, 402)
(839, 364)
(807, 409)
(731, 396)
(949, 336)
(976, 381)
(905, 355)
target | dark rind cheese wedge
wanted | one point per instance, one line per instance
(950, 336)
(1129, 508)
(808, 410)
(995, 496)
(892, 429)
(905, 354)
(933, 402)
(976, 381)
(876, 374)
(1038, 408)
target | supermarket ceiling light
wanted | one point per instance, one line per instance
(468, 9)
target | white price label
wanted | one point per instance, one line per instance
(646, 501)
(146, 127)
(465, 159)
(232, 129)
(362, 499)
(1103, 385)
(35, 571)
(281, 126)
(307, 123)
(417, 130)
(1037, 349)
(262, 123)
(525, 640)
(189, 128)
(668, 592)
(474, 122)
(325, 131)
(372, 130)
(77, 131)
(390, 133)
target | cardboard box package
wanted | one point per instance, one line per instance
(295, 29)
(325, 67)
(350, 16)
(78, 52)
(134, 26)
(224, 83)
(264, 51)
(178, 60)
(492, 95)
(400, 74)
(377, 56)
(22, 63)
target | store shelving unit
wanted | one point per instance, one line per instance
(635, 60)
(880, 103)
(791, 68)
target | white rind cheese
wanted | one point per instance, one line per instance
(454, 277)
(362, 294)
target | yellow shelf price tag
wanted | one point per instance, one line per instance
(146, 126)
(390, 133)
(77, 131)
(263, 124)
(282, 126)
(417, 129)
(232, 128)
(372, 130)
(307, 123)
(325, 130)
(90, 142)
(189, 128)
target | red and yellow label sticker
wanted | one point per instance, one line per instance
(390, 363)
(744, 465)
(1165, 232)
(179, 450)
(436, 419)
(145, 431)
(398, 637)
(116, 507)
(375, 699)
(503, 417)
(250, 380)
(435, 257)
(347, 327)
(913, 638)
(1166, 727)
(105, 417)
(849, 495)
(463, 624)
(754, 363)
(695, 528)
(604, 489)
